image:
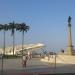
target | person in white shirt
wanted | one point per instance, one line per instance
(25, 58)
(29, 55)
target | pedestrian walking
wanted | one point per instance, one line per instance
(25, 58)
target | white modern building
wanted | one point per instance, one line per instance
(18, 48)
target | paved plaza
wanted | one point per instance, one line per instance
(63, 64)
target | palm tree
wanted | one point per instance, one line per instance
(24, 28)
(12, 28)
(5, 28)
(1, 28)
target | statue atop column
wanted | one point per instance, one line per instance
(69, 21)
(70, 47)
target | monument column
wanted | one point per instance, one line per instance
(70, 47)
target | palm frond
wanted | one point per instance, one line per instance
(5, 27)
(12, 27)
(1, 26)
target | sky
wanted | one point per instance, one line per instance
(47, 20)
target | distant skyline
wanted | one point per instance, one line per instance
(47, 20)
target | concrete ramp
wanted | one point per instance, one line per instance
(67, 59)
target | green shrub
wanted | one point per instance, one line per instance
(11, 56)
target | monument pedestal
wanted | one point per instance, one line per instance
(70, 50)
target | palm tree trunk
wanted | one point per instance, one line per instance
(4, 44)
(3, 54)
(13, 42)
(2, 65)
(22, 41)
